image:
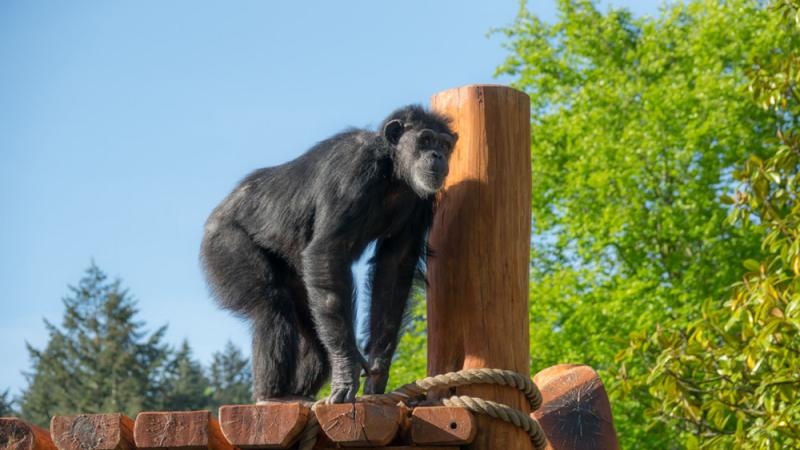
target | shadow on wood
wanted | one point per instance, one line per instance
(575, 414)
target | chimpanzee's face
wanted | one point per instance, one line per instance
(422, 157)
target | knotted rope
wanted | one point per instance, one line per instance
(412, 393)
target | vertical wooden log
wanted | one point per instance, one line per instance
(478, 291)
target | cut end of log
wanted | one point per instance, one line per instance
(359, 424)
(16, 434)
(93, 431)
(263, 426)
(437, 425)
(187, 430)
(575, 412)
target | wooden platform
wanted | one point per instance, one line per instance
(361, 425)
(575, 415)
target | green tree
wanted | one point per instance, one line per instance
(230, 377)
(731, 379)
(637, 126)
(99, 360)
(411, 358)
(184, 385)
(6, 404)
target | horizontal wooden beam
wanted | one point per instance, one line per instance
(405, 447)
(263, 426)
(16, 434)
(93, 431)
(190, 430)
(442, 425)
(360, 424)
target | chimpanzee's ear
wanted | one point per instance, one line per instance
(392, 131)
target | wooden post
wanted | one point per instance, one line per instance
(478, 291)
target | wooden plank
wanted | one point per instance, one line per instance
(186, 430)
(16, 434)
(442, 425)
(575, 412)
(359, 424)
(263, 426)
(478, 276)
(93, 432)
(407, 447)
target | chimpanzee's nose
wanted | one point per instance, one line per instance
(436, 155)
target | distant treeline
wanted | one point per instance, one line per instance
(100, 359)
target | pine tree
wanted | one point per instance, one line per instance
(6, 404)
(230, 377)
(99, 360)
(184, 386)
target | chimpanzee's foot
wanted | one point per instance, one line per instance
(285, 399)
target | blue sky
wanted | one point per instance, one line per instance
(123, 124)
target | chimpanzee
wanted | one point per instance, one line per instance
(278, 251)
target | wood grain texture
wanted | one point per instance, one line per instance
(442, 425)
(359, 424)
(16, 434)
(478, 291)
(263, 426)
(406, 447)
(93, 432)
(575, 413)
(185, 430)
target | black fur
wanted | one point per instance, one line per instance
(278, 251)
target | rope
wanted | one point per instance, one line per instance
(502, 412)
(412, 393)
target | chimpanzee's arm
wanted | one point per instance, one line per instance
(329, 282)
(394, 264)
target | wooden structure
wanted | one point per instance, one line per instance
(477, 318)
(478, 291)
(362, 425)
(575, 414)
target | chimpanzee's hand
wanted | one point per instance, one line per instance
(377, 377)
(345, 380)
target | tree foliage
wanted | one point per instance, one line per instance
(184, 384)
(230, 377)
(99, 360)
(638, 125)
(411, 360)
(102, 360)
(731, 379)
(6, 404)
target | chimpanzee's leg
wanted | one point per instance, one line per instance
(312, 369)
(274, 347)
(251, 281)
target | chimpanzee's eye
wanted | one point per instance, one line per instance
(425, 141)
